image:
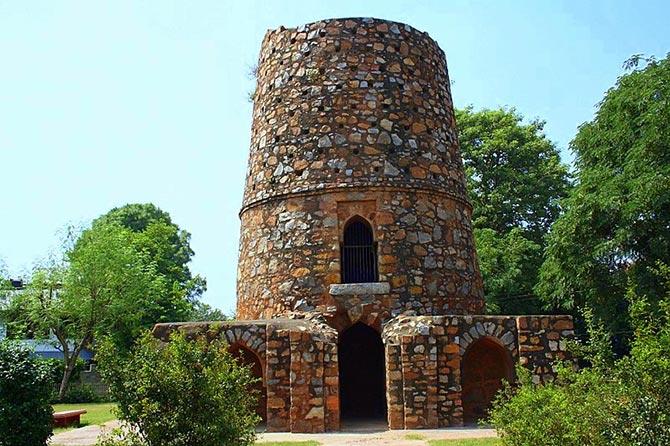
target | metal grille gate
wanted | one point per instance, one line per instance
(358, 253)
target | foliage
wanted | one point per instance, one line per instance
(203, 312)
(81, 393)
(466, 442)
(515, 174)
(103, 286)
(616, 221)
(25, 413)
(508, 264)
(5, 289)
(515, 182)
(76, 394)
(184, 392)
(168, 246)
(623, 402)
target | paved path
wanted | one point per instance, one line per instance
(382, 438)
(84, 436)
(364, 435)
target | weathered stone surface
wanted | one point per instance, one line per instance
(343, 289)
(353, 118)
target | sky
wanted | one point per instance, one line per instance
(108, 103)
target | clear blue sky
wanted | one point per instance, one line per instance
(106, 103)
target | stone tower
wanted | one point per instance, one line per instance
(359, 294)
(353, 123)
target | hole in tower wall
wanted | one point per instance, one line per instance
(362, 381)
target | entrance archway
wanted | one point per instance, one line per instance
(485, 364)
(248, 358)
(362, 374)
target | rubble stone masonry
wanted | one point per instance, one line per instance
(353, 121)
(354, 117)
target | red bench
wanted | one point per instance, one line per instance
(68, 417)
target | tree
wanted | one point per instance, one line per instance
(165, 243)
(5, 292)
(515, 175)
(617, 219)
(203, 312)
(509, 266)
(25, 412)
(103, 286)
(180, 393)
(515, 183)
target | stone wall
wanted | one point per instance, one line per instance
(424, 360)
(542, 342)
(290, 255)
(354, 117)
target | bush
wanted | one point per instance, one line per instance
(182, 393)
(80, 393)
(75, 393)
(624, 402)
(25, 412)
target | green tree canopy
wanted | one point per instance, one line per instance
(515, 174)
(515, 181)
(163, 241)
(103, 286)
(617, 220)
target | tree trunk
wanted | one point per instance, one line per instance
(67, 373)
(70, 361)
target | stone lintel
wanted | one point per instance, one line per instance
(360, 289)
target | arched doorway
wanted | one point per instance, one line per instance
(248, 358)
(362, 374)
(485, 364)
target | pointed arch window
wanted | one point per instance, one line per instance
(358, 252)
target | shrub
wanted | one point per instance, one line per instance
(624, 402)
(56, 368)
(180, 393)
(80, 393)
(25, 412)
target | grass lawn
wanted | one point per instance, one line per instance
(96, 413)
(469, 442)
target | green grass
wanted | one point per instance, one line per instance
(96, 413)
(414, 437)
(289, 443)
(469, 442)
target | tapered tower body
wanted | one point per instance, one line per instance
(355, 200)
(359, 293)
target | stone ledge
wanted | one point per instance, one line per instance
(344, 289)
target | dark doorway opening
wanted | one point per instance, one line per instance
(484, 366)
(362, 374)
(358, 253)
(249, 359)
